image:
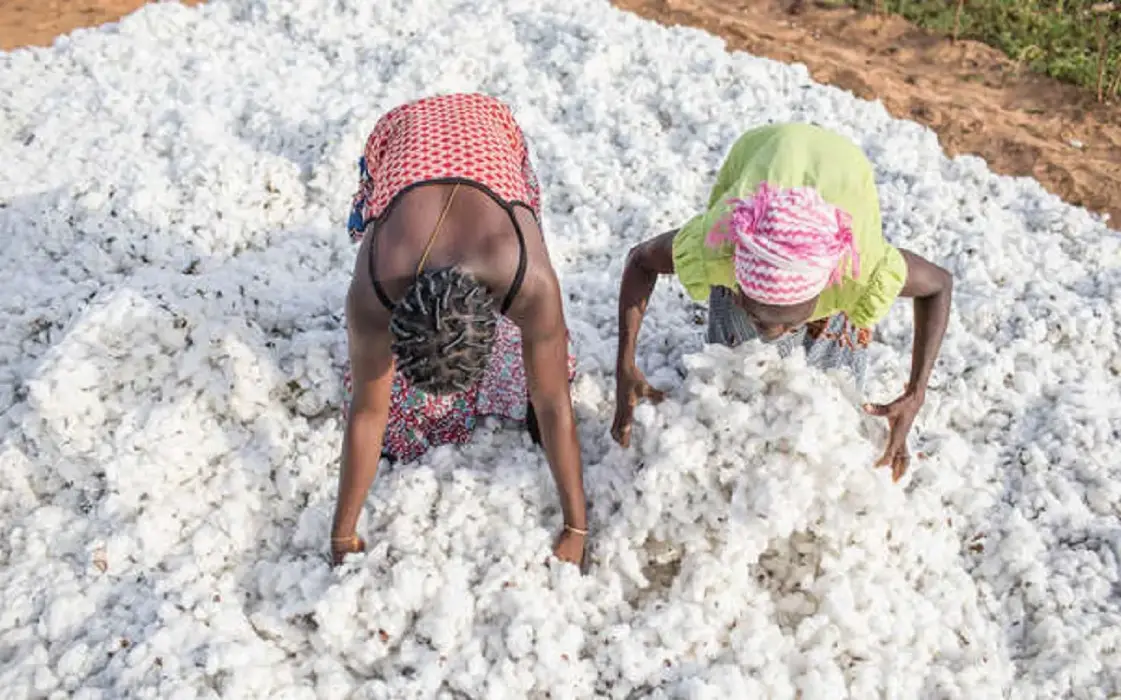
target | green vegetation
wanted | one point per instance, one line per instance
(1076, 41)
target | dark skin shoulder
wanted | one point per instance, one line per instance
(929, 285)
(477, 235)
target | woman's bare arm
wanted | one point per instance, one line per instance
(645, 262)
(371, 363)
(540, 316)
(931, 287)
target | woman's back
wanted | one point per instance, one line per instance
(476, 235)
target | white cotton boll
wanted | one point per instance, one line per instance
(174, 300)
(519, 640)
(208, 545)
(74, 665)
(507, 681)
(66, 614)
(331, 678)
(447, 620)
(821, 682)
(645, 416)
(722, 681)
(635, 665)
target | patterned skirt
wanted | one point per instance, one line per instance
(829, 343)
(419, 421)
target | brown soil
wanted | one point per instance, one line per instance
(976, 99)
(38, 22)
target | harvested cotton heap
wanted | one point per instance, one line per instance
(172, 206)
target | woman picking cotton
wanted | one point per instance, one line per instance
(454, 309)
(791, 251)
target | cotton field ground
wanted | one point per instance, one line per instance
(173, 195)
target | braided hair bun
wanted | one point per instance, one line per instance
(443, 329)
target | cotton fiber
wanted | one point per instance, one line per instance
(173, 199)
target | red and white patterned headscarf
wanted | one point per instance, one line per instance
(790, 244)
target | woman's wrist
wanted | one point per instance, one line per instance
(916, 390)
(581, 531)
(339, 533)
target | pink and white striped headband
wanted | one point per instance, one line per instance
(790, 244)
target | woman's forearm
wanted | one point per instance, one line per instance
(362, 445)
(639, 280)
(545, 354)
(931, 287)
(562, 449)
(932, 314)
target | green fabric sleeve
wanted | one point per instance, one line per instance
(698, 267)
(883, 288)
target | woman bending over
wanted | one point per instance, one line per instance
(454, 309)
(791, 251)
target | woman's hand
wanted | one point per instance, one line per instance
(645, 262)
(932, 288)
(570, 547)
(630, 387)
(342, 546)
(900, 416)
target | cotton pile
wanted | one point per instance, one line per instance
(173, 195)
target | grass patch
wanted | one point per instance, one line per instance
(1076, 41)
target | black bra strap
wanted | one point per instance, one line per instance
(378, 289)
(519, 275)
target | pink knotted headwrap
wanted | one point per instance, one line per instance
(790, 244)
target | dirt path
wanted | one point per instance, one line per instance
(971, 95)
